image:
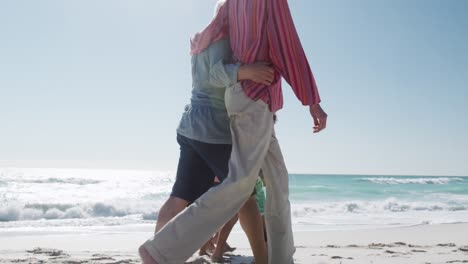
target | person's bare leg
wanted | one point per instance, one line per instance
(264, 229)
(208, 246)
(251, 221)
(169, 210)
(222, 238)
(228, 248)
(214, 239)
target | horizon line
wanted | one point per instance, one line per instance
(146, 165)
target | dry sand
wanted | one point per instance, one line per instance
(435, 244)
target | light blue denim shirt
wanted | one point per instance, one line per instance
(205, 119)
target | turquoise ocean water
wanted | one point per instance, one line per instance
(353, 201)
(67, 199)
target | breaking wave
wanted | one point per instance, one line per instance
(426, 180)
(17, 212)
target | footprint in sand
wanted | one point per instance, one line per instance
(447, 245)
(125, 261)
(464, 249)
(30, 260)
(48, 251)
(332, 246)
(352, 246)
(414, 246)
(101, 257)
(418, 251)
(377, 246)
(339, 257)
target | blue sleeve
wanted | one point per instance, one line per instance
(222, 74)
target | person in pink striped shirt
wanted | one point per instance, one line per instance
(259, 30)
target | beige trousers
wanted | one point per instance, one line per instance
(254, 146)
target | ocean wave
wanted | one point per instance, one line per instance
(426, 180)
(18, 212)
(145, 209)
(150, 216)
(315, 188)
(75, 181)
(390, 205)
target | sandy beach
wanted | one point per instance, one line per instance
(424, 244)
(109, 109)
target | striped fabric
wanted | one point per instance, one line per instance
(263, 30)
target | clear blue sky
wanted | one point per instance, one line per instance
(108, 80)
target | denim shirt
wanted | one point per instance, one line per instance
(205, 119)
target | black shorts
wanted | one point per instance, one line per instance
(199, 163)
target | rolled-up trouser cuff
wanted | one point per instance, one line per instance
(154, 252)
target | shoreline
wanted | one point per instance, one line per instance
(433, 244)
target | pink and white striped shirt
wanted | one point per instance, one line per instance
(263, 30)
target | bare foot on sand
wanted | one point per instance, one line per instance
(216, 259)
(209, 247)
(228, 248)
(145, 256)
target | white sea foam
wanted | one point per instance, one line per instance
(426, 180)
(385, 213)
(390, 205)
(41, 198)
(147, 210)
(18, 212)
(74, 181)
